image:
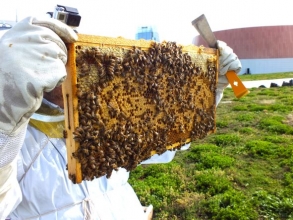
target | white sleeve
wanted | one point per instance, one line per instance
(10, 194)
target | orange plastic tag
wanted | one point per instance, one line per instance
(238, 87)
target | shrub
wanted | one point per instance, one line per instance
(230, 205)
(157, 184)
(264, 92)
(288, 179)
(268, 92)
(197, 149)
(288, 101)
(245, 117)
(273, 206)
(280, 108)
(258, 148)
(240, 108)
(246, 130)
(211, 182)
(275, 125)
(226, 140)
(256, 107)
(275, 139)
(281, 129)
(222, 124)
(214, 160)
(288, 163)
(209, 156)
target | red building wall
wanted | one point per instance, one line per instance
(257, 42)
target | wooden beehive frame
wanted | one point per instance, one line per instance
(204, 59)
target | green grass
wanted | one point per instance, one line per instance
(243, 171)
(266, 76)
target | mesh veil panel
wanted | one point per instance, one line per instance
(10, 146)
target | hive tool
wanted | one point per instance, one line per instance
(202, 26)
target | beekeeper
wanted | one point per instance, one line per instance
(34, 181)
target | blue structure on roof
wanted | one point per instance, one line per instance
(4, 26)
(147, 33)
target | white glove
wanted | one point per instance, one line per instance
(32, 60)
(227, 61)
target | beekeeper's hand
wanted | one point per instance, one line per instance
(228, 60)
(32, 60)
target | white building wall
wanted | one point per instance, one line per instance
(258, 66)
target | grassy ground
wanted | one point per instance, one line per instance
(266, 76)
(243, 171)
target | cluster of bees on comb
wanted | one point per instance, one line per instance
(135, 102)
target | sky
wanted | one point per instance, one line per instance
(171, 18)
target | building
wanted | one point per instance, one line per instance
(5, 25)
(147, 33)
(267, 49)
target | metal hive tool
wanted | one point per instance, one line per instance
(126, 100)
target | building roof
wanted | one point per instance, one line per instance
(5, 26)
(257, 42)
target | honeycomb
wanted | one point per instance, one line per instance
(127, 100)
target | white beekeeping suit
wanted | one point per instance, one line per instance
(24, 77)
(47, 191)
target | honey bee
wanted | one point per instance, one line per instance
(84, 68)
(65, 134)
(80, 94)
(72, 177)
(126, 144)
(77, 134)
(182, 129)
